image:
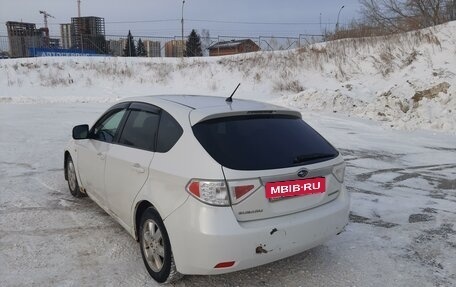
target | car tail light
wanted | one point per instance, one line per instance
(210, 192)
(241, 189)
(339, 172)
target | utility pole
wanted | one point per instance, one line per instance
(182, 26)
(338, 15)
(320, 22)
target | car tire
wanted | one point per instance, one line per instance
(156, 248)
(73, 184)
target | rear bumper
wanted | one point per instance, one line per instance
(202, 236)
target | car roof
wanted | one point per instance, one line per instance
(205, 107)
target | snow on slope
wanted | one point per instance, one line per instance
(406, 80)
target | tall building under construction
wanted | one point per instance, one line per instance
(88, 33)
(23, 36)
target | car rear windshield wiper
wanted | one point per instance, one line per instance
(312, 156)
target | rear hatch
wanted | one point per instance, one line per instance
(274, 164)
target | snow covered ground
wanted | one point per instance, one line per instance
(401, 233)
(407, 81)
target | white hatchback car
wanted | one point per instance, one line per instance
(209, 186)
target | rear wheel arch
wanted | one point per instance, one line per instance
(154, 237)
(140, 208)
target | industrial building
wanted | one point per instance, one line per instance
(174, 48)
(233, 47)
(88, 33)
(153, 48)
(23, 36)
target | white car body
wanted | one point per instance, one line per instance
(124, 180)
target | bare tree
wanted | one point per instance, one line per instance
(451, 10)
(400, 15)
(205, 41)
(431, 12)
(381, 13)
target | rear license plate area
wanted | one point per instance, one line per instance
(292, 188)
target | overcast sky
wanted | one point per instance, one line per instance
(258, 17)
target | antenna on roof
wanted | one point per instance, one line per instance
(230, 98)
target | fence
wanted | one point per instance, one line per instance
(115, 45)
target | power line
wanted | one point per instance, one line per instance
(142, 21)
(258, 23)
(214, 21)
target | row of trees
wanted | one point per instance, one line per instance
(403, 15)
(382, 17)
(192, 46)
(131, 50)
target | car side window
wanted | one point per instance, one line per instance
(106, 129)
(169, 132)
(140, 130)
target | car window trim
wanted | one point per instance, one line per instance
(139, 106)
(132, 106)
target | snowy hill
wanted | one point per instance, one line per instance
(406, 80)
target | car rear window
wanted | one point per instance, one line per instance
(258, 142)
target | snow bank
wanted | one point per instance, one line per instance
(377, 78)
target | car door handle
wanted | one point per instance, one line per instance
(101, 156)
(138, 168)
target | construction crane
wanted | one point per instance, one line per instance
(46, 15)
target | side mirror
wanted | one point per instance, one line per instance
(81, 132)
